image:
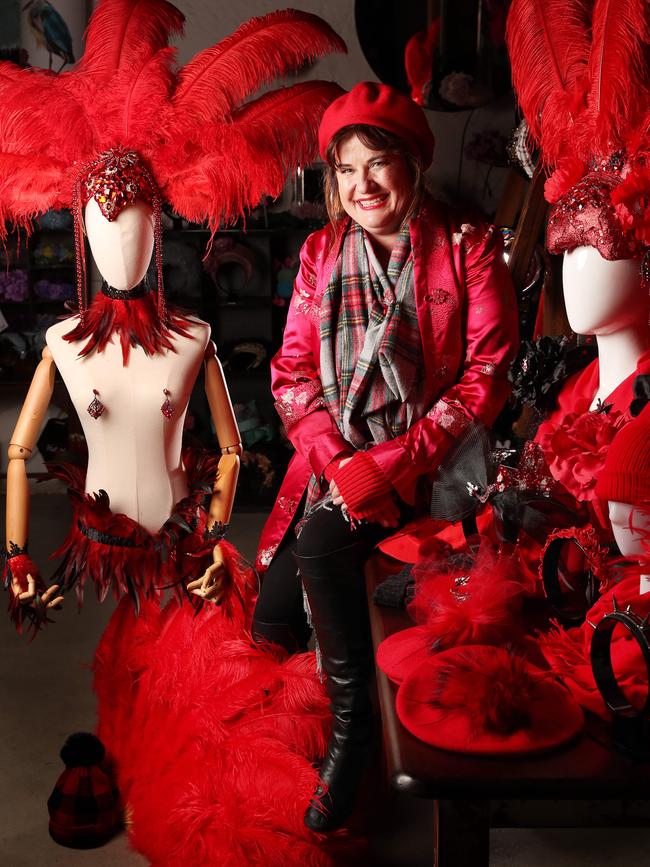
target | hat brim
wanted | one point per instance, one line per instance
(402, 652)
(555, 717)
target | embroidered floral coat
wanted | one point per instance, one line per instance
(468, 320)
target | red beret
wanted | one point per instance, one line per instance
(383, 106)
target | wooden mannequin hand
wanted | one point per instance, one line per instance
(210, 585)
(48, 599)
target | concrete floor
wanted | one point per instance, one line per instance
(45, 691)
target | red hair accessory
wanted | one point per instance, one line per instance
(596, 567)
(210, 153)
(116, 179)
(462, 604)
(383, 106)
(487, 701)
(567, 651)
(583, 82)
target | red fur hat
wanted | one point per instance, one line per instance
(383, 106)
(486, 700)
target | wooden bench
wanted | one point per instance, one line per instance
(462, 787)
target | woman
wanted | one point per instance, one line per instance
(400, 331)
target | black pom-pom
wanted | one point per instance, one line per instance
(82, 749)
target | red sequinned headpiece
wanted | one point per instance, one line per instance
(126, 117)
(115, 180)
(582, 76)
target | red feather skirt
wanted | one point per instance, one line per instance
(116, 553)
(214, 739)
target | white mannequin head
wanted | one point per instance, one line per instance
(122, 248)
(602, 297)
(631, 526)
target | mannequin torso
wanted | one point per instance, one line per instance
(134, 452)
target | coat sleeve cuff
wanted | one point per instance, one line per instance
(329, 446)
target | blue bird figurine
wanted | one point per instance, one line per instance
(50, 30)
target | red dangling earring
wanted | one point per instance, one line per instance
(167, 409)
(95, 408)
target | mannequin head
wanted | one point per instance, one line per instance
(121, 248)
(631, 528)
(602, 296)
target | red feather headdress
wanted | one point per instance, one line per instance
(210, 153)
(581, 71)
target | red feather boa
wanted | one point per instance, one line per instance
(137, 322)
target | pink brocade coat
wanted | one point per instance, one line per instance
(467, 313)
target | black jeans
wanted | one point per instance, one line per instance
(279, 615)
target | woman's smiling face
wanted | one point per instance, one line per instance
(375, 187)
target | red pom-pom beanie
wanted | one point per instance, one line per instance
(625, 477)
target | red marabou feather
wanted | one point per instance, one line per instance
(494, 693)
(24, 618)
(618, 74)
(136, 322)
(218, 79)
(484, 610)
(548, 41)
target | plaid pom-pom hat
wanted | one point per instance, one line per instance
(84, 807)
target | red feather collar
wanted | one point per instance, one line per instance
(136, 321)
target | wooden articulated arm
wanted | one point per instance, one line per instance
(223, 416)
(23, 442)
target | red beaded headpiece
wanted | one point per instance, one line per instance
(126, 117)
(115, 180)
(585, 215)
(582, 76)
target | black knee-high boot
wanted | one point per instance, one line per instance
(337, 598)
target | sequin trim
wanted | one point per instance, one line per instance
(298, 401)
(449, 417)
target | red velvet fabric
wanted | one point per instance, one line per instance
(468, 321)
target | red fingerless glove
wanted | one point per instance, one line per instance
(331, 468)
(16, 569)
(360, 482)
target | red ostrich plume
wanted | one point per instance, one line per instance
(211, 153)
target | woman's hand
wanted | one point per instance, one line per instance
(382, 511)
(337, 499)
(210, 585)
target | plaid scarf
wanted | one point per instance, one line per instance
(370, 344)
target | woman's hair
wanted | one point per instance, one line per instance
(376, 139)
